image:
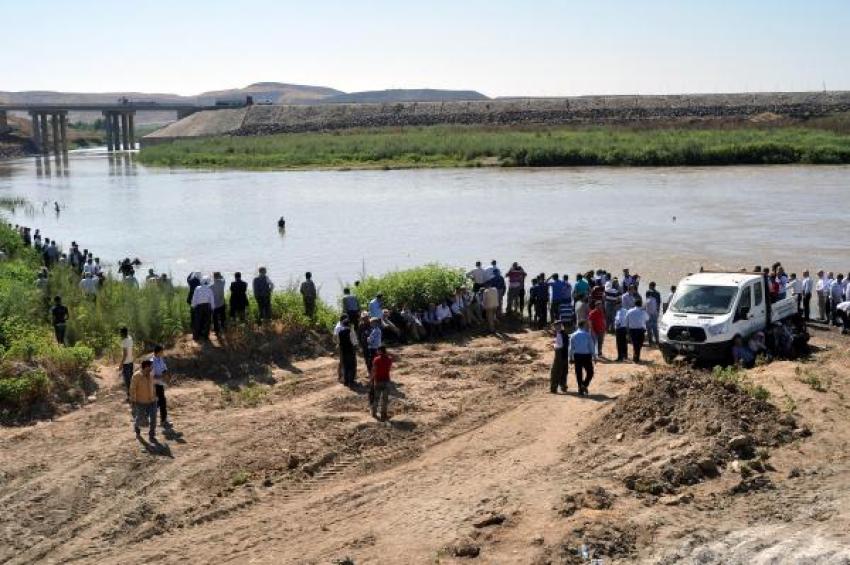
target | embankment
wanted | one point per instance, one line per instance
(271, 119)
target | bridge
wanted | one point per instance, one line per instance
(50, 121)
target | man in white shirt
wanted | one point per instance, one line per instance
(478, 276)
(636, 320)
(795, 288)
(126, 366)
(89, 285)
(202, 305)
(843, 309)
(621, 332)
(806, 292)
(822, 288)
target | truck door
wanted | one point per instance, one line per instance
(743, 318)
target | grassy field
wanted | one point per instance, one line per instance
(451, 146)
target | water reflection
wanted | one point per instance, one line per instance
(122, 164)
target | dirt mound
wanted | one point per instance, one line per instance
(680, 427)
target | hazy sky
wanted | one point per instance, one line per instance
(500, 47)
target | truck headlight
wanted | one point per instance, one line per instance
(717, 329)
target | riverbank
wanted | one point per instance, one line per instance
(465, 146)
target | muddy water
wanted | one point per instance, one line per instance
(340, 223)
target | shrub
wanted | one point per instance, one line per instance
(22, 391)
(416, 287)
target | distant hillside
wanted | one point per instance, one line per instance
(274, 92)
(404, 95)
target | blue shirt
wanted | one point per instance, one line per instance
(376, 309)
(374, 340)
(558, 287)
(582, 343)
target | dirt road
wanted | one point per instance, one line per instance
(478, 462)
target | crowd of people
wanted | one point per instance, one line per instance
(580, 312)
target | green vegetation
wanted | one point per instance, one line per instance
(415, 287)
(36, 373)
(442, 146)
(249, 395)
(735, 376)
(815, 381)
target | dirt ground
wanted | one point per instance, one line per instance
(479, 463)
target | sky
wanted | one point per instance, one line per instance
(498, 47)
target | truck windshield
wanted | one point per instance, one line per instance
(701, 299)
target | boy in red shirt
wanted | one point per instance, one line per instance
(380, 380)
(598, 325)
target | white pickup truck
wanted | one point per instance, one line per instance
(710, 309)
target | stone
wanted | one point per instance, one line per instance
(678, 500)
(802, 432)
(620, 436)
(788, 421)
(740, 442)
(735, 466)
(537, 540)
(673, 428)
(466, 550)
(491, 520)
(794, 473)
(708, 466)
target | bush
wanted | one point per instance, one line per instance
(415, 287)
(20, 392)
(288, 306)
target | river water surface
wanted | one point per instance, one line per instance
(342, 222)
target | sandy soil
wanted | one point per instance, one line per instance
(479, 462)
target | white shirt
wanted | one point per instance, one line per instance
(844, 306)
(88, 285)
(823, 285)
(620, 318)
(806, 287)
(478, 275)
(627, 300)
(88, 268)
(202, 295)
(795, 286)
(127, 350)
(443, 312)
(636, 318)
(559, 340)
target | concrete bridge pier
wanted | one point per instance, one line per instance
(4, 121)
(36, 130)
(63, 131)
(120, 128)
(45, 138)
(54, 125)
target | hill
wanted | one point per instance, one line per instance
(274, 92)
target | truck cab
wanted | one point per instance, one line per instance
(710, 309)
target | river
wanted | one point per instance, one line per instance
(340, 223)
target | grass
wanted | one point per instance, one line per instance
(452, 146)
(36, 373)
(737, 377)
(813, 379)
(415, 287)
(250, 395)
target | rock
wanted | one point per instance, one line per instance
(343, 561)
(794, 473)
(740, 442)
(292, 462)
(92, 398)
(708, 467)
(647, 428)
(757, 465)
(713, 428)
(788, 421)
(661, 422)
(537, 540)
(268, 482)
(802, 432)
(686, 498)
(673, 428)
(465, 549)
(491, 520)
(749, 485)
(735, 466)
(620, 436)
